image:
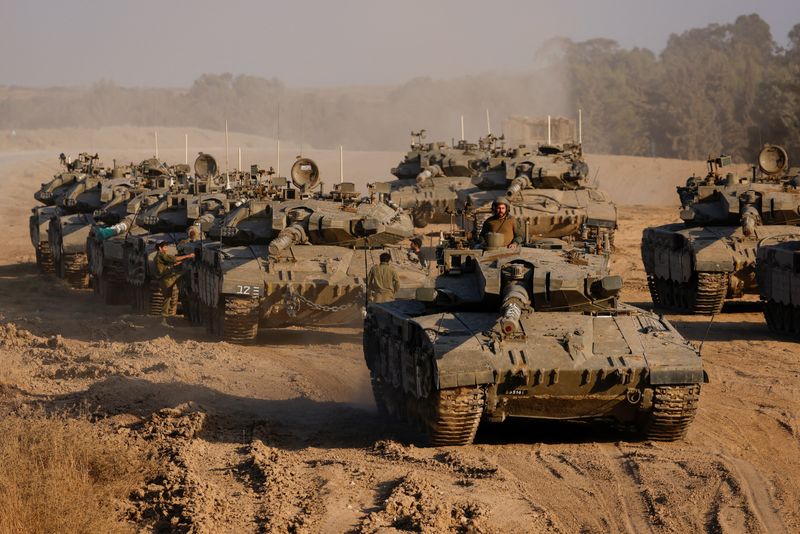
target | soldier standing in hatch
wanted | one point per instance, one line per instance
(166, 265)
(502, 223)
(382, 281)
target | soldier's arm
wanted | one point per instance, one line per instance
(395, 281)
(518, 237)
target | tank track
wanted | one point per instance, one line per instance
(111, 285)
(75, 268)
(44, 259)
(236, 320)
(674, 408)
(782, 319)
(447, 417)
(703, 295)
(147, 298)
(652, 285)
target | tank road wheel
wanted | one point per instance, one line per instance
(453, 415)
(673, 410)
(76, 270)
(238, 319)
(44, 259)
(652, 285)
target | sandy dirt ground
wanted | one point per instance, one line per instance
(284, 436)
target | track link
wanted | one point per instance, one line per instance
(76, 270)
(704, 294)
(447, 417)
(44, 259)
(238, 320)
(674, 408)
(652, 284)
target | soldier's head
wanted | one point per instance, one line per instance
(386, 257)
(416, 244)
(161, 246)
(500, 208)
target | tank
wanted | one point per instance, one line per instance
(695, 265)
(298, 261)
(50, 195)
(185, 219)
(549, 193)
(68, 232)
(778, 275)
(115, 223)
(537, 333)
(431, 174)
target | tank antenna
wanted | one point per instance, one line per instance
(548, 130)
(155, 134)
(462, 127)
(186, 148)
(341, 164)
(580, 126)
(705, 336)
(488, 123)
(278, 140)
(226, 148)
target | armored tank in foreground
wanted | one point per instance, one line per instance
(311, 268)
(549, 192)
(530, 333)
(694, 266)
(431, 174)
(778, 274)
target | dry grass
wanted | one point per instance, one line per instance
(63, 475)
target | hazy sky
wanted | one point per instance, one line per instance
(327, 42)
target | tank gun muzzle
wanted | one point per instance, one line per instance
(517, 184)
(515, 297)
(291, 235)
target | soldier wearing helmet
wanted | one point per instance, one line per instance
(501, 222)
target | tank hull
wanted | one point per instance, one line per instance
(434, 203)
(695, 269)
(443, 369)
(317, 285)
(778, 273)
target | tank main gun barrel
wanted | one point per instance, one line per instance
(515, 297)
(232, 220)
(291, 235)
(517, 184)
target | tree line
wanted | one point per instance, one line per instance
(723, 88)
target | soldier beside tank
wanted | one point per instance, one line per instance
(382, 280)
(168, 275)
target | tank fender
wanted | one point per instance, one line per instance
(713, 256)
(460, 358)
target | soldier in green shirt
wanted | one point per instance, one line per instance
(166, 265)
(382, 280)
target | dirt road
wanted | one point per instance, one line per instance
(284, 437)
